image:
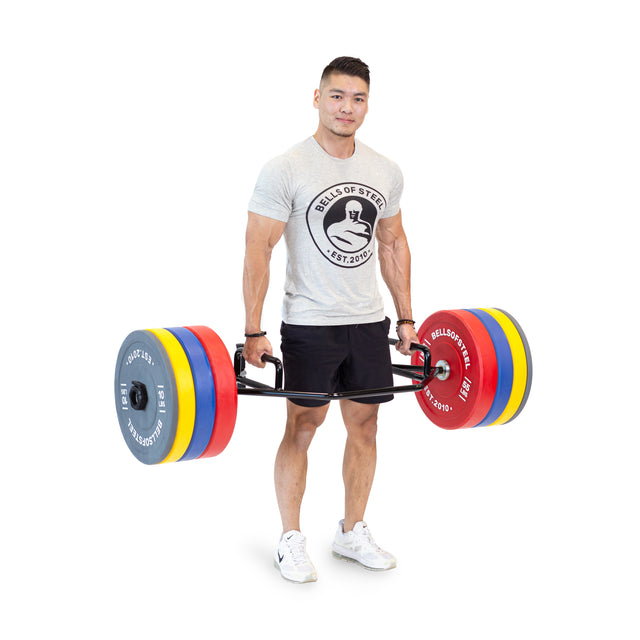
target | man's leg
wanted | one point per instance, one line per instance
(353, 539)
(360, 454)
(291, 460)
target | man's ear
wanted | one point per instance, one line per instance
(316, 99)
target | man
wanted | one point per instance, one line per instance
(334, 331)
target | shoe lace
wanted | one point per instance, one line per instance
(298, 553)
(366, 541)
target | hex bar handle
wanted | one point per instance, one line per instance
(422, 375)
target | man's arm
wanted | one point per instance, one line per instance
(395, 266)
(262, 236)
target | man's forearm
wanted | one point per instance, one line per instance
(395, 266)
(255, 283)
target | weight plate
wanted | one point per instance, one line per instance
(149, 429)
(185, 390)
(504, 362)
(465, 397)
(204, 392)
(527, 351)
(226, 391)
(519, 365)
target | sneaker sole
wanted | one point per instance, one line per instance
(303, 581)
(338, 555)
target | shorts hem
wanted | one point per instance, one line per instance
(373, 399)
(311, 404)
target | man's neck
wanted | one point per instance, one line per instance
(336, 146)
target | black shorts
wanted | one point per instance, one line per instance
(337, 358)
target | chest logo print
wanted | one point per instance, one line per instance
(342, 221)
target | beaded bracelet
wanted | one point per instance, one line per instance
(255, 335)
(405, 321)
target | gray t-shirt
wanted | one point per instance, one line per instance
(331, 207)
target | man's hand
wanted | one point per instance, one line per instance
(407, 336)
(254, 349)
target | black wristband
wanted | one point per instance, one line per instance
(255, 335)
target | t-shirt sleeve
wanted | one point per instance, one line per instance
(393, 206)
(272, 196)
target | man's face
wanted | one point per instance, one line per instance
(343, 102)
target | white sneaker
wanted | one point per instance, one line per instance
(292, 559)
(358, 545)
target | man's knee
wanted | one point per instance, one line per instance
(360, 419)
(302, 423)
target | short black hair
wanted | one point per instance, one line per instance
(347, 66)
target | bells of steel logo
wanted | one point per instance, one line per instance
(342, 221)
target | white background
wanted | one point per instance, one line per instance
(131, 136)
